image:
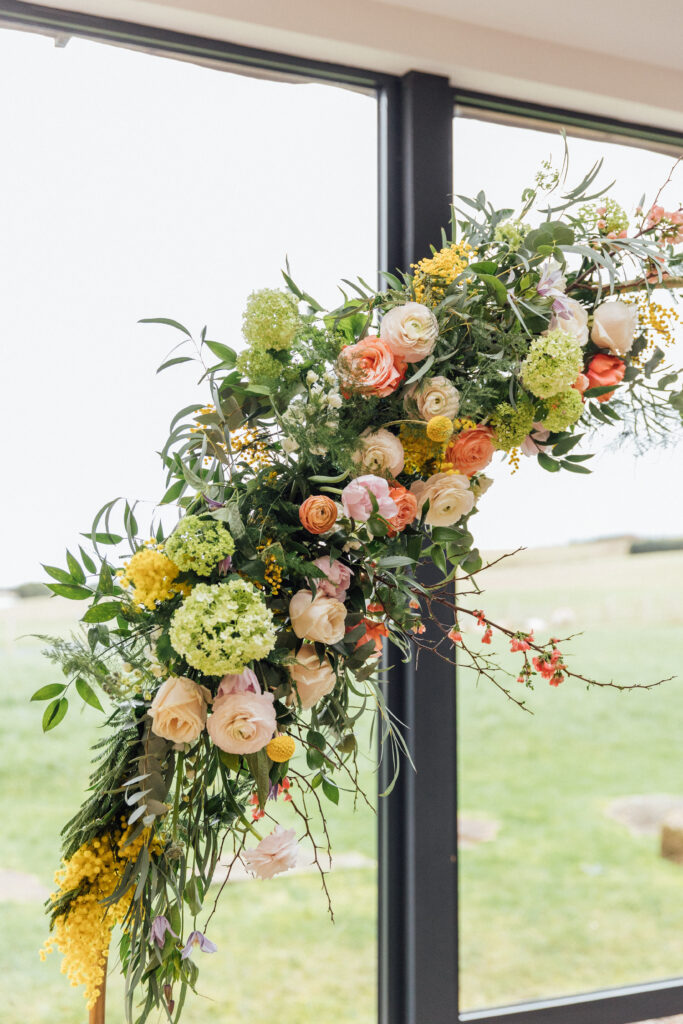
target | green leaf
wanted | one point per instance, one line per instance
(49, 691)
(54, 713)
(472, 562)
(547, 463)
(61, 575)
(165, 320)
(259, 766)
(315, 758)
(77, 573)
(496, 287)
(231, 761)
(566, 444)
(102, 612)
(574, 467)
(438, 558)
(330, 790)
(87, 560)
(104, 538)
(483, 267)
(226, 354)
(604, 389)
(71, 591)
(174, 492)
(193, 895)
(174, 362)
(394, 561)
(86, 693)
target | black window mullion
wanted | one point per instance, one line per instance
(418, 820)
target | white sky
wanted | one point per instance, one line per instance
(139, 186)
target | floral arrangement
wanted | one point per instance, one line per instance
(236, 652)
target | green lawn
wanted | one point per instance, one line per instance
(564, 899)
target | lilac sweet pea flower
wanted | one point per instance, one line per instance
(160, 925)
(198, 939)
(224, 566)
(552, 285)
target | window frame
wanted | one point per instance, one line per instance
(417, 892)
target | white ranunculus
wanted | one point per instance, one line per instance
(449, 496)
(614, 327)
(410, 331)
(435, 396)
(380, 453)
(576, 324)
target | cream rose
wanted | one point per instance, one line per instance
(178, 711)
(314, 678)
(242, 723)
(410, 331)
(575, 324)
(321, 619)
(449, 497)
(435, 396)
(380, 452)
(614, 327)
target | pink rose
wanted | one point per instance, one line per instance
(242, 723)
(276, 853)
(338, 577)
(356, 498)
(533, 442)
(245, 682)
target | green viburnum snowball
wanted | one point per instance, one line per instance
(512, 424)
(222, 627)
(259, 367)
(198, 545)
(554, 362)
(270, 320)
(512, 232)
(563, 410)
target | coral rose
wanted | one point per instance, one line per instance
(318, 514)
(276, 853)
(604, 370)
(242, 723)
(338, 577)
(406, 505)
(178, 711)
(318, 618)
(380, 452)
(314, 677)
(614, 327)
(371, 367)
(472, 450)
(449, 496)
(410, 331)
(356, 500)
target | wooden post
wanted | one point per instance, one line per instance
(97, 1012)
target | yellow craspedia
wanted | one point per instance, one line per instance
(281, 748)
(439, 429)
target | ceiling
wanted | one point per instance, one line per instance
(615, 58)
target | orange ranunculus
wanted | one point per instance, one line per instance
(406, 503)
(318, 513)
(370, 367)
(472, 450)
(604, 370)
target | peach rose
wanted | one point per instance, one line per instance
(604, 370)
(435, 396)
(276, 853)
(314, 678)
(370, 367)
(242, 682)
(380, 452)
(449, 496)
(406, 504)
(581, 383)
(242, 723)
(178, 711)
(410, 331)
(318, 514)
(472, 450)
(318, 618)
(614, 327)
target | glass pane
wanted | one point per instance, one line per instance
(136, 186)
(562, 885)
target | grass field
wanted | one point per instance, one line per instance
(563, 899)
